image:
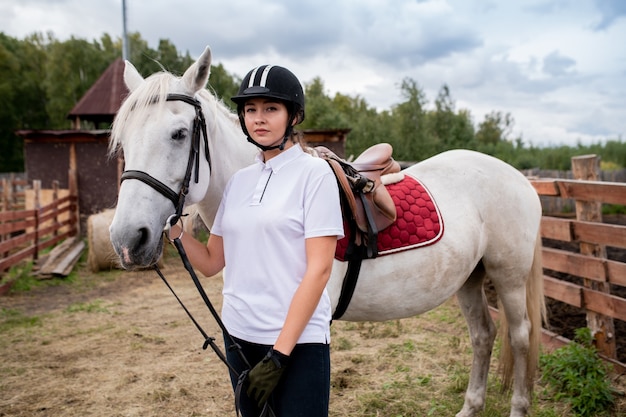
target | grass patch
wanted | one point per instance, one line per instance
(342, 343)
(12, 319)
(21, 277)
(90, 307)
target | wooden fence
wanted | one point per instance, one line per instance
(562, 204)
(585, 259)
(12, 188)
(41, 219)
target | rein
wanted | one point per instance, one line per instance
(208, 340)
(178, 199)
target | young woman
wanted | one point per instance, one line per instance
(275, 235)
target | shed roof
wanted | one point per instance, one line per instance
(72, 135)
(102, 101)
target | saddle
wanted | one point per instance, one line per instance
(367, 206)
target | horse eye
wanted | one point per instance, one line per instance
(179, 134)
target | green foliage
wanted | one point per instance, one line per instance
(613, 209)
(319, 111)
(21, 277)
(576, 374)
(11, 319)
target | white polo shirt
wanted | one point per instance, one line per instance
(267, 212)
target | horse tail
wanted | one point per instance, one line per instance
(536, 314)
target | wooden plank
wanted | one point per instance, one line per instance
(54, 256)
(605, 192)
(555, 228)
(64, 213)
(16, 242)
(616, 272)
(546, 187)
(574, 264)
(56, 203)
(11, 260)
(65, 266)
(563, 291)
(600, 233)
(582, 231)
(605, 304)
(6, 216)
(8, 228)
(53, 241)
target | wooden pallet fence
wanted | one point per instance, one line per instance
(52, 216)
(589, 262)
(12, 188)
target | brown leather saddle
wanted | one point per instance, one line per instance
(367, 206)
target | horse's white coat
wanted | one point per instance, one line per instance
(491, 216)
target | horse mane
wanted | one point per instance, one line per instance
(150, 97)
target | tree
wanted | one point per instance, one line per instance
(320, 112)
(368, 127)
(71, 69)
(223, 85)
(451, 129)
(410, 124)
(495, 128)
(23, 104)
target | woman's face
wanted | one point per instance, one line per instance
(266, 120)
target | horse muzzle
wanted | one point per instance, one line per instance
(136, 248)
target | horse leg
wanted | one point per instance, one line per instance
(482, 332)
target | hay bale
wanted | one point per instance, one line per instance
(101, 254)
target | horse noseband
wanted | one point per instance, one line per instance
(199, 128)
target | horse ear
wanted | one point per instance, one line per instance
(197, 75)
(132, 78)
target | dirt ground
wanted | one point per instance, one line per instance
(120, 347)
(118, 344)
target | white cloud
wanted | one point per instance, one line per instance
(556, 65)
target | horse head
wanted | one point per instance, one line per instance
(160, 128)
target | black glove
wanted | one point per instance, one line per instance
(264, 377)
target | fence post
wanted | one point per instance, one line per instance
(587, 168)
(55, 198)
(75, 210)
(37, 204)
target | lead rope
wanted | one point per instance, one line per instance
(208, 340)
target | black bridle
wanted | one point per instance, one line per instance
(199, 129)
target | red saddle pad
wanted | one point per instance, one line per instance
(418, 221)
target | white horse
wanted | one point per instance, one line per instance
(491, 212)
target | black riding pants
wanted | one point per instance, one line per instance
(304, 388)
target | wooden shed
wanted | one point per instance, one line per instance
(55, 155)
(333, 139)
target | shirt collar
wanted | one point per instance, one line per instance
(282, 159)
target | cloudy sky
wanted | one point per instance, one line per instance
(557, 66)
